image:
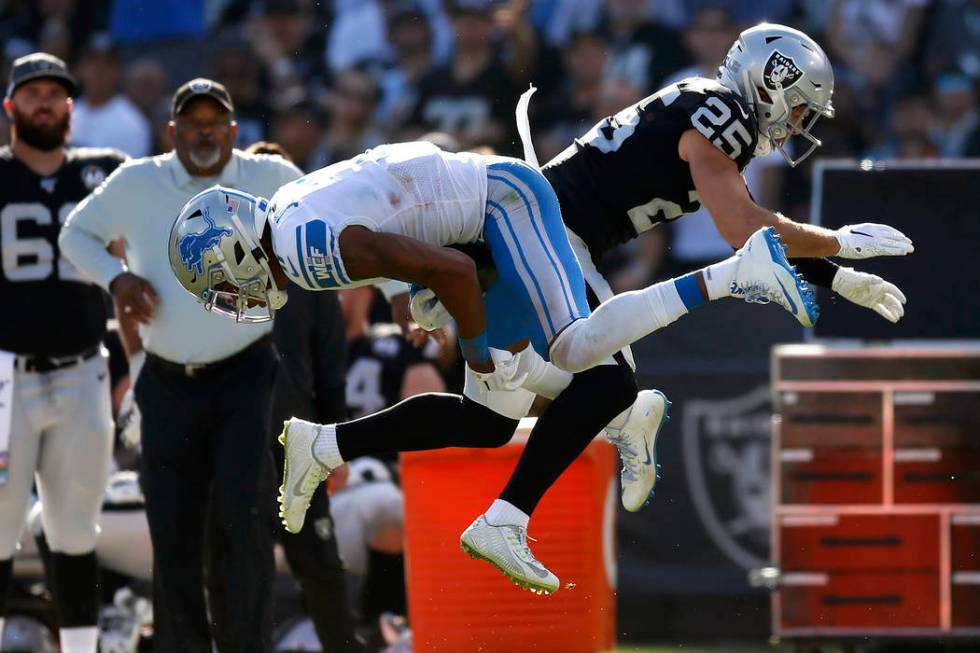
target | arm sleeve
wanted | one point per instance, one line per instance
(92, 225)
(817, 271)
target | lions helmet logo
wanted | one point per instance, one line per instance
(780, 72)
(193, 246)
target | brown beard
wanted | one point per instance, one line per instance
(46, 138)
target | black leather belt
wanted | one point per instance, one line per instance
(43, 364)
(199, 370)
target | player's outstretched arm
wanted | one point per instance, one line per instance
(449, 273)
(723, 192)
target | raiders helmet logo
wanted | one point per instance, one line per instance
(201, 86)
(92, 176)
(780, 72)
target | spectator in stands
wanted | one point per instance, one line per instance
(103, 116)
(473, 97)
(956, 100)
(289, 42)
(871, 41)
(563, 115)
(237, 67)
(147, 86)
(708, 36)
(298, 127)
(172, 33)
(351, 128)
(410, 37)
(641, 51)
(953, 39)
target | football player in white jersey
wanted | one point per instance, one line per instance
(393, 213)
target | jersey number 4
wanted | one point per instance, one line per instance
(714, 121)
(32, 259)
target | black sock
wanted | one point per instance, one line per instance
(6, 575)
(75, 585)
(384, 586)
(566, 428)
(426, 421)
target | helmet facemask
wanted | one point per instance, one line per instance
(777, 125)
(254, 299)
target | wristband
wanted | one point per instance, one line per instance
(476, 349)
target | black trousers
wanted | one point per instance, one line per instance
(205, 451)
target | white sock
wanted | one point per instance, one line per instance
(718, 278)
(325, 449)
(543, 378)
(503, 512)
(83, 639)
(617, 322)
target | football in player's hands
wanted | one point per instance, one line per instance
(427, 311)
(870, 291)
(869, 239)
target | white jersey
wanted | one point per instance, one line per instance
(410, 189)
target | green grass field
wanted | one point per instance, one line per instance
(680, 648)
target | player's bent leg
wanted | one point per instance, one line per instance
(422, 422)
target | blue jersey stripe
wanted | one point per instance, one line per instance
(527, 266)
(301, 260)
(534, 224)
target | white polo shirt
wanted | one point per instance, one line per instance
(139, 202)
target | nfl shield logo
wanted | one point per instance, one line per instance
(726, 454)
(780, 72)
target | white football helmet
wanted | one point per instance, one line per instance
(216, 256)
(776, 69)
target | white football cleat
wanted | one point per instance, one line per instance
(764, 275)
(637, 445)
(302, 473)
(505, 547)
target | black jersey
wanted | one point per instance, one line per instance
(49, 309)
(625, 175)
(376, 366)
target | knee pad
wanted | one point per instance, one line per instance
(490, 427)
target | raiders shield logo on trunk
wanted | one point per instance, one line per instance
(726, 457)
(780, 72)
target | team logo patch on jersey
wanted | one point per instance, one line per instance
(92, 176)
(780, 72)
(192, 246)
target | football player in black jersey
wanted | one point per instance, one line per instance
(56, 422)
(686, 145)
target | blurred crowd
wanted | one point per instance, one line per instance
(328, 79)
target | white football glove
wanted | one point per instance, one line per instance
(870, 291)
(427, 311)
(506, 375)
(868, 239)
